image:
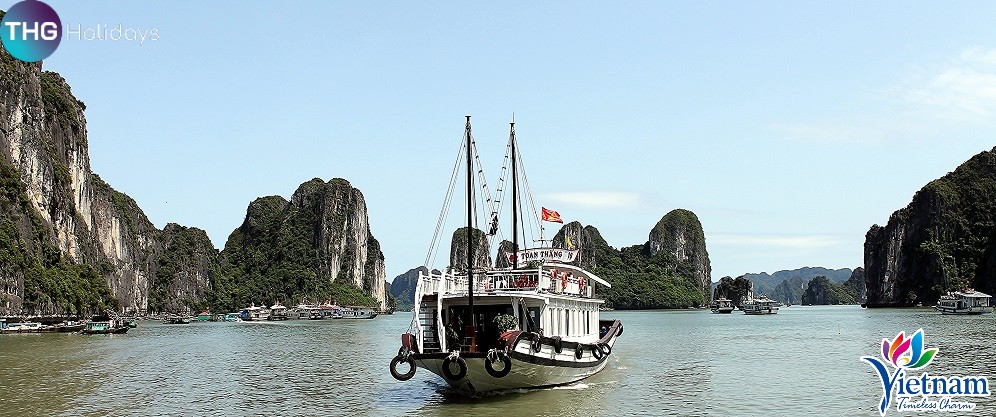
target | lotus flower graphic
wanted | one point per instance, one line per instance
(907, 353)
(903, 353)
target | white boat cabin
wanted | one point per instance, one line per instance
(965, 302)
(553, 300)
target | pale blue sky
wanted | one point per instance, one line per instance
(788, 127)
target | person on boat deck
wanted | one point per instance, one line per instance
(602, 331)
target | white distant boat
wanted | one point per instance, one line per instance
(722, 306)
(759, 306)
(964, 302)
(535, 324)
(277, 312)
(253, 313)
(356, 313)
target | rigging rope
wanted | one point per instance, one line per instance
(534, 221)
(444, 211)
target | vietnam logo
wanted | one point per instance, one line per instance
(904, 354)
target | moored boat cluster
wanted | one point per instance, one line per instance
(95, 325)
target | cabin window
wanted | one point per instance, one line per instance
(587, 322)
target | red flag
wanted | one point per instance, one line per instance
(551, 216)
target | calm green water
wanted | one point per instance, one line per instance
(803, 361)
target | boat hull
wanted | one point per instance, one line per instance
(761, 312)
(530, 369)
(116, 330)
(964, 311)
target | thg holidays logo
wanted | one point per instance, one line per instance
(904, 355)
(31, 31)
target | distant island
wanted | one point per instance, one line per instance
(806, 286)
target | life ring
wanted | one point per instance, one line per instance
(605, 348)
(619, 333)
(578, 352)
(537, 343)
(581, 285)
(501, 356)
(402, 376)
(449, 374)
(596, 352)
(558, 344)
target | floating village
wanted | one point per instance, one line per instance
(112, 323)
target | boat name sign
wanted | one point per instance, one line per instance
(545, 254)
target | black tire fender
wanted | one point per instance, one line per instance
(578, 352)
(558, 344)
(619, 332)
(537, 343)
(596, 352)
(504, 370)
(605, 348)
(449, 374)
(402, 376)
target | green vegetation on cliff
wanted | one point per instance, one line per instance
(643, 281)
(734, 289)
(820, 291)
(294, 251)
(50, 283)
(670, 270)
(938, 242)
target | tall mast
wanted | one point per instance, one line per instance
(515, 200)
(470, 224)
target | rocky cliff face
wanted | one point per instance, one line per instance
(855, 284)
(403, 287)
(679, 234)
(288, 250)
(586, 239)
(670, 270)
(66, 206)
(458, 249)
(187, 266)
(939, 242)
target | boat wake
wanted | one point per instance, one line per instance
(571, 387)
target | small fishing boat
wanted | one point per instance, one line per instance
(531, 324)
(69, 327)
(104, 327)
(964, 302)
(176, 319)
(722, 306)
(27, 327)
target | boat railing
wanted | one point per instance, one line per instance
(529, 280)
